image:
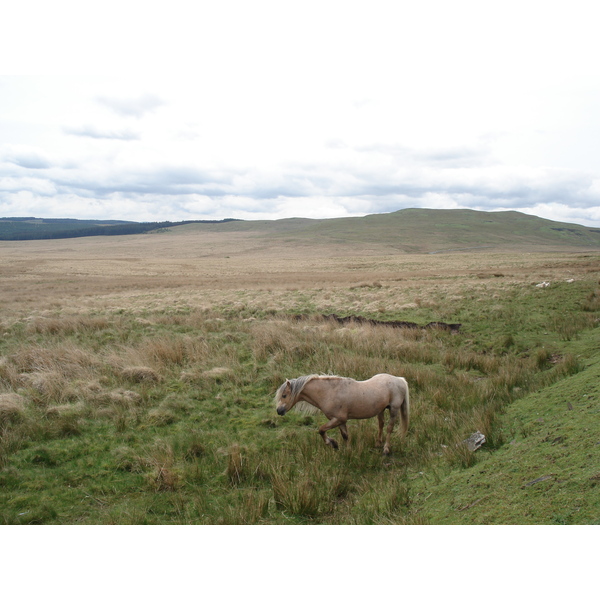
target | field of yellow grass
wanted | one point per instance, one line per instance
(203, 269)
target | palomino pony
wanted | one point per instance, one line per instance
(342, 398)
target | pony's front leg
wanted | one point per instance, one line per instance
(344, 430)
(325, 428)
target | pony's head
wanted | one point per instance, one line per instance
(284, 398)
(288, 394)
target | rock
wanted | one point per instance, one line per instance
(475, 441)
(543, 478)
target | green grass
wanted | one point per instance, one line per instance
(167, 416)
(547, 471)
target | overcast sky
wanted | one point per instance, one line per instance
(152, 111)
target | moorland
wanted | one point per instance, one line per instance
(137, 372)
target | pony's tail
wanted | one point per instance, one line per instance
(405, 409)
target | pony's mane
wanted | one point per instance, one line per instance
(297, 385)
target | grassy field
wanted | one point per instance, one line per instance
(137, 379)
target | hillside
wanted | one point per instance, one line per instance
(420, 230)
(548, 469)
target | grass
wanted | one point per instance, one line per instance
(546, 472)
(138, 410)
(137, 378)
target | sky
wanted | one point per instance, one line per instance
(154, 111)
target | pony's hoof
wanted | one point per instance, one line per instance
(333, 444)
(386, 451)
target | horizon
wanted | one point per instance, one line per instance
(230, 219)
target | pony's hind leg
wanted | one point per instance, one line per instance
(393, 415)
(380, 419)
(330, 425)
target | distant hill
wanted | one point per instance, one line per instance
(423, 230)
(408, 230)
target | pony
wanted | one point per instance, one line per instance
(342, 398)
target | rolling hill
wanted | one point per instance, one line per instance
(407, 230)
(422, 230)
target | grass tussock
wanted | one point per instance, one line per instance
(12, 408)
(163, 476)
(140, 374)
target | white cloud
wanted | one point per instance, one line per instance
(24, 156)
(99, 134)
(264, 110)
(132, 107)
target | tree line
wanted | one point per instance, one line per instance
(25, 228)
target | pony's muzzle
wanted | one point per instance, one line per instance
(281, 410)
